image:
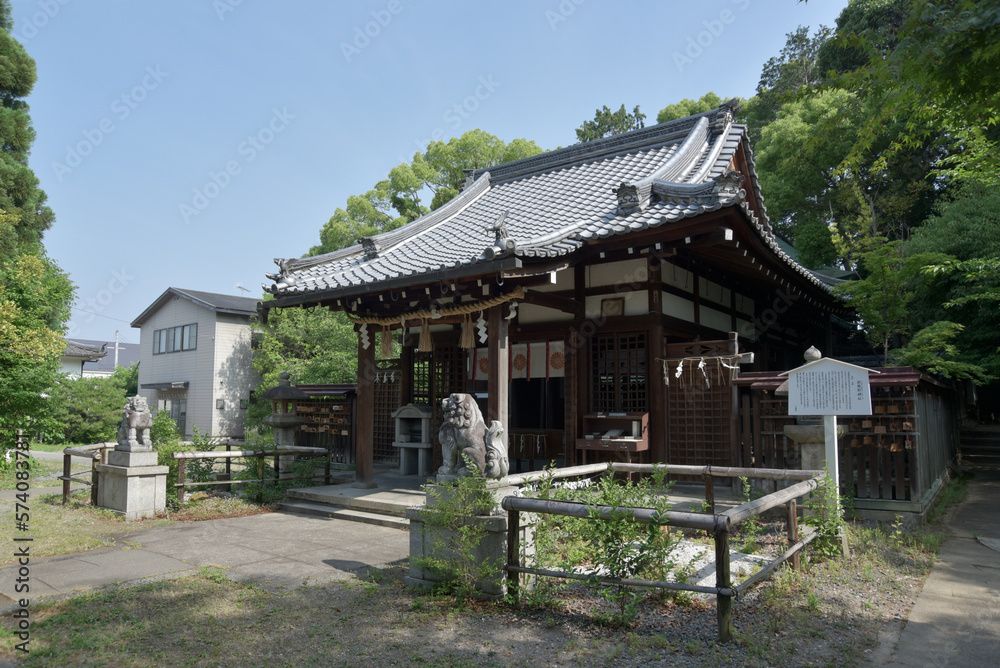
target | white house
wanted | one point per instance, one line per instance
(77, 354)
(196, 359)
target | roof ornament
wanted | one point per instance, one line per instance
(725, 115)
(628, 198)
(503, 243)
(729, 184)
(282, 279)
(370, 247)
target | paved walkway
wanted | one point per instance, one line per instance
(275, 548)
(956, 619)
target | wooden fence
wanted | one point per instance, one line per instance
(97, 454)
(720, 525)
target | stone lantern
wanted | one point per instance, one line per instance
(283, 419)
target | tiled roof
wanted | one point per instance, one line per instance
(86, 349)
(550, 205)
(245, 306)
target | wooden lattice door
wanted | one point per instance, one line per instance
(700, 420)
(387, 396)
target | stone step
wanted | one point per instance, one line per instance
(363, 503)
(342, 513)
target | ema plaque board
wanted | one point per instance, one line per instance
(829, 387)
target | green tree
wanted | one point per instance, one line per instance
(607, 123)
(34, 293)
(942, 77)
(396, 200)
(784, 75)
(884, 296)
(689, 107)
(88, 410)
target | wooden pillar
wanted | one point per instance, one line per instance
(364, 428)
(657, 406)
(499, 380)
(406, 374)
(571, 398)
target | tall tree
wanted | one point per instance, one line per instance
(941, 75)
(689, 107)
(784, 75)
(396, 200)
(607, 123)
(34, 293)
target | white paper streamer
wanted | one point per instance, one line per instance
(365, 341)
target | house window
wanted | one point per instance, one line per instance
(175, 339)
(619, 373)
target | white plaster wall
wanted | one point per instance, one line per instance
(636, 303)
(624, 273)
(678, 307)
(528, 314)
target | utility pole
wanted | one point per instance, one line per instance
(116, 348)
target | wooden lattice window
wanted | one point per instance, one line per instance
(619, 373)
(422, 378)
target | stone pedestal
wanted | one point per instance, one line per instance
(132, 485)
(811, 438)
(427, 540)
(430, 540)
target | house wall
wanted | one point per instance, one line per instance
(71, 366)
(197, 367)
(234, 377)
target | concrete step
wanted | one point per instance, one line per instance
(384, 506)
(343, 513)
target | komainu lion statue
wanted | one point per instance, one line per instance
(464, 432)
(136, 422)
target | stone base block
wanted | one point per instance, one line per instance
(132, 491)
(428, 540)
(132, 458)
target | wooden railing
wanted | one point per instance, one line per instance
(261, 454)
(97, 454)
(720, 525)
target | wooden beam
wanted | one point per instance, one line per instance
(558, 303)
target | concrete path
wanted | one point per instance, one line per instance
(956, 619)
(275, 548)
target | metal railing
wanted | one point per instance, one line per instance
(719, 525)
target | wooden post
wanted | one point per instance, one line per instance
(513, 551)
(723, 580)
(499, 374)
(792, 519)
(93, 481)
(180, 480)
(364, 438)
(570, 399)
(657, 406)
(260, 479)
(67, 471)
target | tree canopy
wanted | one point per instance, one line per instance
(607, 123)
(688, 107)
(35, 295)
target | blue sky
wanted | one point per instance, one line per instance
(187, 143)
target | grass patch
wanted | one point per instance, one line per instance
(75, 527)
(39, 470)
(78, 526)
(955, 492)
